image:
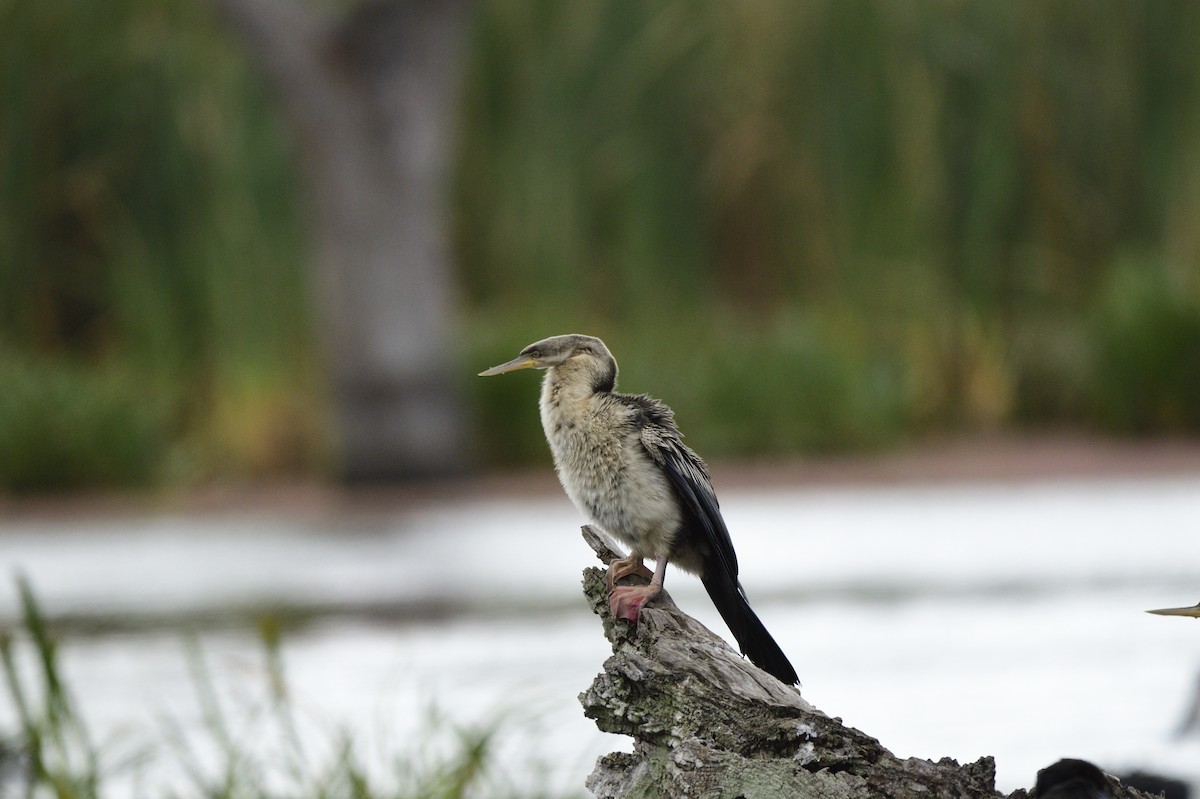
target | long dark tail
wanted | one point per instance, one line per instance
(752, 637)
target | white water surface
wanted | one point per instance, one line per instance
(955, 620)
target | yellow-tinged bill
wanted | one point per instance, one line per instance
(1193, 611)
(520, 362)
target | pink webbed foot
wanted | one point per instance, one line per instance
(626, 601)
(625, 567)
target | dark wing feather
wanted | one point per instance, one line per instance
(663, 443)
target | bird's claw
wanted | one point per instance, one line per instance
(626, 601)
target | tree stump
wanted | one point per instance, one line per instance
(708, 723)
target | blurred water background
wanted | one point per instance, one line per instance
(248, 244)
(956, 619)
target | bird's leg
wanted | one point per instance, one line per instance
(623, 567)
(626, 601)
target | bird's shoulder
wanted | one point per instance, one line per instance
(648, 413)
(660, 435)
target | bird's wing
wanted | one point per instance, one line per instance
(688, 474)
(702, 517)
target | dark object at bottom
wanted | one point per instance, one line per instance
(1078, 779)
(1071, 779)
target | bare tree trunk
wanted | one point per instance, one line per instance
(372, 98)
(708, 723)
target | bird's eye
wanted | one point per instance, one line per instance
(535, 353)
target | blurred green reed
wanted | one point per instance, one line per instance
(840, 225)
(259, 754)
(153, 318)
(821, 226)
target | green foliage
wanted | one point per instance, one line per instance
(63, 425)
(1147, 369)
(148, 229)
(52, 753)
(871, 219)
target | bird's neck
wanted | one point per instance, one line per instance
(568, 390)
(566, 383)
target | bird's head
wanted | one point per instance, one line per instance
(586, 352)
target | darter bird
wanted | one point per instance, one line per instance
(621, 460)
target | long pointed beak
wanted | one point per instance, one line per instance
(520, 362)
(1193, 611)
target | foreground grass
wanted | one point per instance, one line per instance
(52, 753)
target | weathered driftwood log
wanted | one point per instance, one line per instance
(708, 723)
